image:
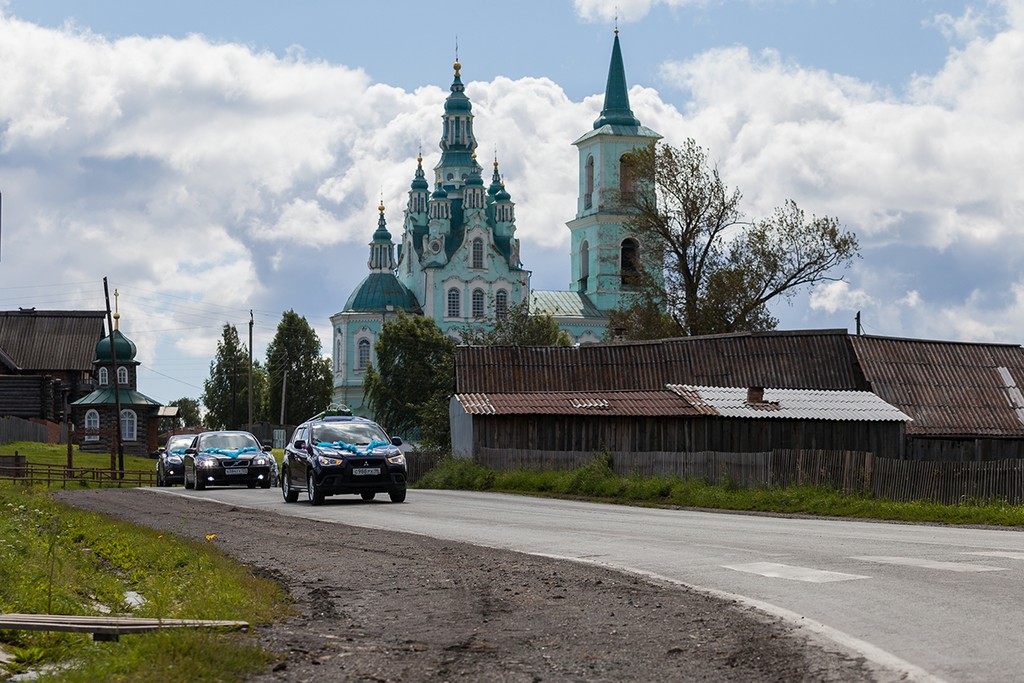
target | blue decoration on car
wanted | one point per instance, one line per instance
(341, 445)
(231, 454)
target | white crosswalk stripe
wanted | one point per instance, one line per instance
(785, 571)
(930, 564)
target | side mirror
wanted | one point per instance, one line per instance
(396, 441)
(267, 449)
(300, 444)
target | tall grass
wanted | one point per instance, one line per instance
(597, 481)
(61, 560)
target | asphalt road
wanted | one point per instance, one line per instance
(932, 603)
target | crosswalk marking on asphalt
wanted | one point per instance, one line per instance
(930, 564)
(775, 570)
(999, 553)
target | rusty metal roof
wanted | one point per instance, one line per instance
(617, 403)
(949, 388)
(35, 341)
(954, 389)
(791, 404)
(817, 359)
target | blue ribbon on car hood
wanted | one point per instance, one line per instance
(231, 454)
(341, 445)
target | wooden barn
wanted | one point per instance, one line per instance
(46, 360)
(963, 400)
(680, 418)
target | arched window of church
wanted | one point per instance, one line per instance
(629, 262)
(501, 304)
(129, 424)
(584, 265)
(478, 303)
(103, 377)
(478, 253)
(92, 423)
(122, 375)
(363, 353)
(454, 303)
(588, 192)
(627, 181)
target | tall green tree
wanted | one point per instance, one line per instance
(708, 267)
(409, 387)
(225, 392)
(517, 328)
(297, 371)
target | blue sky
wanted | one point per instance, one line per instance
(215, 157)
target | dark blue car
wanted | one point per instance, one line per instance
(337, 453)
(228, 458)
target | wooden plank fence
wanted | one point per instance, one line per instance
(17, 429)
(950, 483)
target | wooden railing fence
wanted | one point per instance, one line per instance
(14, 468)
(846, 471)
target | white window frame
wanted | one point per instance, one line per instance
(103, 377)
(129, 425)
(122, 374)
(92, 422)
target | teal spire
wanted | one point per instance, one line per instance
(420, 181)
(381, 234)
(616, 110)
(382, 252)
(495, 180)
(457, 139)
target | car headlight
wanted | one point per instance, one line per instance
(327, 460)
(207, 462)
(397, 459)
(259, 461)
(174, 460)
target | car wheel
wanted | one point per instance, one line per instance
(397, 496)
(188, 484)
(290, 494)
(316, 496)
(200, 484)
(160, 478)
(368, 496)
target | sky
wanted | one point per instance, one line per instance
(215, 158)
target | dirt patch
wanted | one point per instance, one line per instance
(400, 607)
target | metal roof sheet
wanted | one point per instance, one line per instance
(617, 403)
(563, 304)
(791, 404)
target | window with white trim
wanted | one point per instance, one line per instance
(501, 304)
(478, 303)
(92, 423)
(129, 423)
(478, 253)
(122, 375)
(363, 354)
(103, 377)
(454, 303)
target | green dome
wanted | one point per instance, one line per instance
(124, 348)
(380, 290)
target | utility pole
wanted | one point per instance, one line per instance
(858, 323)
(250, 371)
(284, 388)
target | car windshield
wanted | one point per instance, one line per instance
(355, 433)
(177, 443)
(228, 442)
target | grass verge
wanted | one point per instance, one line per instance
(57, 559)
(597, 481)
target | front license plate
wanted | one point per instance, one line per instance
(235, 470)
(365, 471)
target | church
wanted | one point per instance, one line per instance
(457, 259)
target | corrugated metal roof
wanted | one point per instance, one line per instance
(949, 388)
(820, 359)
(127, 397)
(791, 404)
(50, 340)
(617, 403)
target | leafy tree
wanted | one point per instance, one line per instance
(409, 389)
(517, 328)
(711, 270)
(189, 415)
(298, 369)
(645, 318)
(225, 392)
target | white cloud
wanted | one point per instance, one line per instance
(626, 10)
